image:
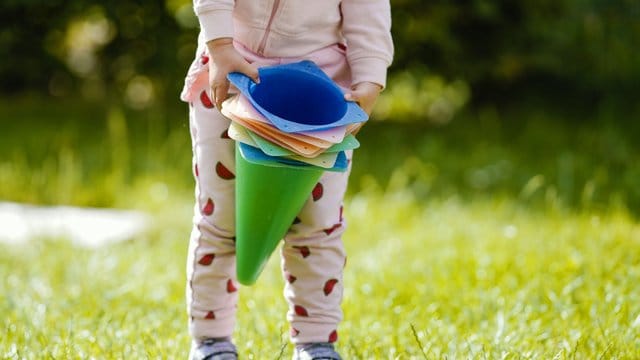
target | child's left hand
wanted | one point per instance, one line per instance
(365, 94)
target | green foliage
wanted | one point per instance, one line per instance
(95, 155)
(417, 95)
(585, 47)
(136, 53)
(538, 157)
(92, 154)
(132, 52)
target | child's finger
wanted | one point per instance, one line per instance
(251, 71)
(362, 98)
(351, 97)
(220, 91)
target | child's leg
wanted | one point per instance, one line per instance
(211, 287)
(313, 255)
(313, 258)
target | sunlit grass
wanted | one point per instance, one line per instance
(92, 154)
(444, 278)
(488, 238)
(99, 155)
(490, 279)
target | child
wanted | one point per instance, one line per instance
(350, 40)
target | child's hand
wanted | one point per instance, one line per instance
(365, 94)
(225, 59)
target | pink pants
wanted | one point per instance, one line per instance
(312, 256)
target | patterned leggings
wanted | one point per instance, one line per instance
(312, 256)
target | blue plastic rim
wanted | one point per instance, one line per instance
(298, 97)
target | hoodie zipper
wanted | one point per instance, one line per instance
(263, 42)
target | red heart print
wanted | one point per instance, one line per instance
(291, 279)
(333, 337)
(223, 172)
(317, 192)
(300, 311)
(328, 286)
(207, 259)
(208, 208)
(230, 287)
(304, 250)
(206, 102)
(331, 229)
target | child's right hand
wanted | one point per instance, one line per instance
(225, 59)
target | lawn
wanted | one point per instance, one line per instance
(493, 237)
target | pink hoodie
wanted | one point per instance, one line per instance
(293, 28)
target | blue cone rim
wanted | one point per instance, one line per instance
(298, 97)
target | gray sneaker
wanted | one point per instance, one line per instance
(212, 349)
(316, 351)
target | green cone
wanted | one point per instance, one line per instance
(268, 199)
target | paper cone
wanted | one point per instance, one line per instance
(267, 201)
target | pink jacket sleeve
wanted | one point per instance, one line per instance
(366, 27)
(215, 17)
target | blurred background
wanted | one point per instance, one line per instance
(493, 203)
(533, 99)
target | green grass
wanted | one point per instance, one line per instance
(446, 279)
(96, 155)
(499, 236)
